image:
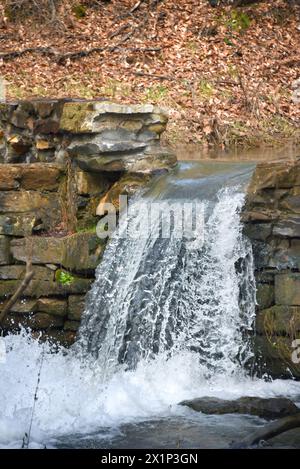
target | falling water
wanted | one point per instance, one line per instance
(155, 295)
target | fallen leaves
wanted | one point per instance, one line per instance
(182, 55)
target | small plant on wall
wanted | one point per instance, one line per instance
(64, 278)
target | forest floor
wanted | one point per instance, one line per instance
(225, 74)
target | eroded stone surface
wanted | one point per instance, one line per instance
(270, 408)
(76, 305)
(272, 223)
(287, 289)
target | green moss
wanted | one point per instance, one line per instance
(63, 277)
(239, 21)
(156, 93)
(74, 116)
(79, 11)
(87, 229)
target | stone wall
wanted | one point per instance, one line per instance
(58, 161)
(272, 221)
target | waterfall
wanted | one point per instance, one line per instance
(167, 319)
(156, 295)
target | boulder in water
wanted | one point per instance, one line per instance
(265, 408)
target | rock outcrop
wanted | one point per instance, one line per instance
(271, 408)
(272, 222)
(98, 135)
(59, 161)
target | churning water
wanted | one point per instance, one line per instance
(155, 294)
(167, 319)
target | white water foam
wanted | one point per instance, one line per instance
(72, 397)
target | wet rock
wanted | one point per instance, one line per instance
(266, 276)
(152, 160)
(83, 251)
(261, 215)
(10, 272)
(286, 255)
(287, 227)
(56, 337)
(291, 203)
(117, 143)
(52, 306)
(71, 326)
(156, 159)
(34, 321)
(271, 408)
(274, 356)
(265, 295)
(258, 231)
(76, 306)
(287, 289)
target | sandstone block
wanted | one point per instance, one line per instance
(287, 289)
(76, 306)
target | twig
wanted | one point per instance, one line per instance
(136, 6)
(26, 439)
(61, 58)
(19, 53)
(269, 431)
(131, 11)
(22, 287)
(119, 31)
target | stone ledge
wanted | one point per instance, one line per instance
(275, 175)
(99, 135)
(39, 288)
(80, 251)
